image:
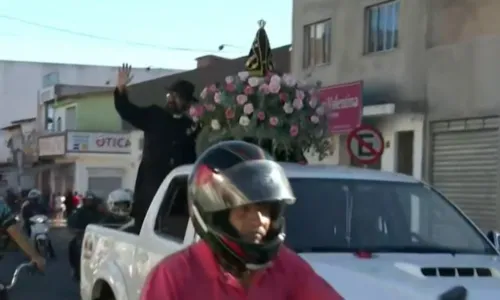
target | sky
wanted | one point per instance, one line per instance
(142, 33)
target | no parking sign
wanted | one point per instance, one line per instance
(365, 144)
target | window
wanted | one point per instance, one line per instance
(59, 124)
(349, 215)
(50, 79)
(70, 118)
(317, 43)
(382, 27)
(49, 116)
(173, 216)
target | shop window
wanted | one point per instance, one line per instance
(173, 217)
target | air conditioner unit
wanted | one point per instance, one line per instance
(47, 94)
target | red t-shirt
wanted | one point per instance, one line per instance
(195, 274)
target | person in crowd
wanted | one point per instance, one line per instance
(90, 212)
(237, 195)
(33, 206)
(9, 226)
(115, 211)
(76, 199)
(169, 137)
(69, 203)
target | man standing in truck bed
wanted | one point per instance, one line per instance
(169, 137)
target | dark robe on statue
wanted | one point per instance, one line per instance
(169, 141)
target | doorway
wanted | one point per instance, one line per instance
(404, 155)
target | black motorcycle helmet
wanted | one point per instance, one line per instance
(90, 200)
(229, 175)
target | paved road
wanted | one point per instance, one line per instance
(55, 284)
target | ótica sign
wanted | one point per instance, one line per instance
(365, 144)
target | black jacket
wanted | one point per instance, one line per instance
(168, 143)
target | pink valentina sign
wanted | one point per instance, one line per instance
(346, 106)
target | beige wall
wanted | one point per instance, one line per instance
(449, 53)
(463, 59)
(399, 74)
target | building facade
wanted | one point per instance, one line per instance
(20, 138)
(21, 84)
(437, 62)
(85, 149)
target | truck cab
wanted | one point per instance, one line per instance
(390, 233)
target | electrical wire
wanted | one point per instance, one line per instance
(108, 39)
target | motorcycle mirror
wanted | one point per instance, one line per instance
(456, 293)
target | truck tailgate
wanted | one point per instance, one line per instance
(108, 249)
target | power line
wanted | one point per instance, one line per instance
(108, 39)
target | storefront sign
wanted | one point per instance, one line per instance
(51, 145)
(98, 142)
(346, 106)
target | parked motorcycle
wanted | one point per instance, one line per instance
(40, 234)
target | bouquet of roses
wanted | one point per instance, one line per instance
(272, 108)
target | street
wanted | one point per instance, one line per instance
(55, 284)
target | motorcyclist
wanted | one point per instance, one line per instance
(33, 206)
(237, 195)
(91, 211)
(10, 229)
(118, 207)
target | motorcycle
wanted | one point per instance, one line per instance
(40, 233)
(6, 287)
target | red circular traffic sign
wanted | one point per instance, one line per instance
(365, 144)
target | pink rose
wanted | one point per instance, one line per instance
(299, 94)
(264, 89)
(229, 114)
(248, 109)
(230, 87)
(283, 97)
(294, 130)
(274, 87)
(241, 99)
(196, 111)
(212, 88)
(192, 111)
(273, 121)
(209, 107)
(261, 116)
(248, 90)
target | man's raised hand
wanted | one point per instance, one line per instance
(124, 76)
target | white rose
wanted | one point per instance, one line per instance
(313, 102)
(203, 93)
(243, 75)
(298, 104)
(217, 98)
(215, 124)
(229, 79)
(320, 110)
(253, 81)
(315, 119)
(289, 80)
(244, 121)
(288, 108)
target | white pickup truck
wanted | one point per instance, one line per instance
(368, 233)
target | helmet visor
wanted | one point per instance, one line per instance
(254, 181)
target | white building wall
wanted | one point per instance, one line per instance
(21, 81)
(85, 161)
